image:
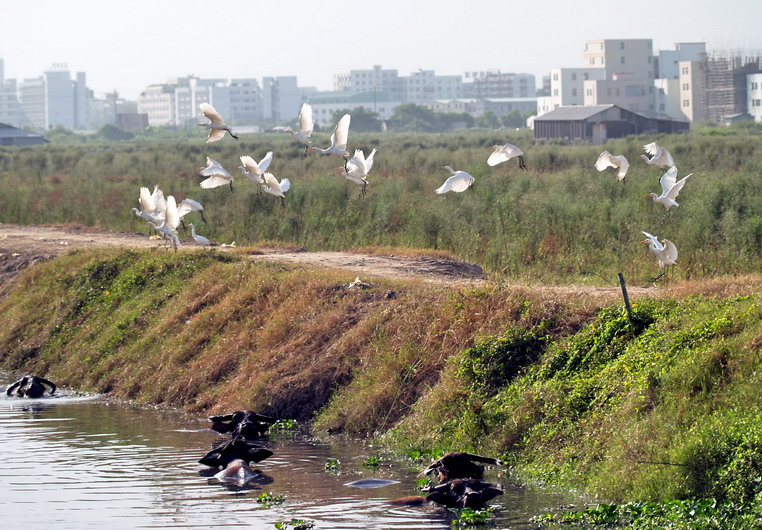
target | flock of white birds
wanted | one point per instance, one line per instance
(664, 250)
(165, 215)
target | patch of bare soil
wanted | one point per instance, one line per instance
(22, 246)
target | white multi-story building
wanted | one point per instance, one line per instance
(324, 104)
(281, 99)
(32, 99)
(754, 96)
(567, 87)
(668, 61)
(376, 79)
(425, 86)
(629, 74)
(158, 103)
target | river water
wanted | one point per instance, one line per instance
(88, 462)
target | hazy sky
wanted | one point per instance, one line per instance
(129, 45)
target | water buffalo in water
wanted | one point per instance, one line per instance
(31, 386)
(464, 493)
(235, 449)
(244, 423)
(460, 465)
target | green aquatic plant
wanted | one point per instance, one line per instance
(471, 517)
(295, 524)
(371, 462)
(332, 465)
(270, 499)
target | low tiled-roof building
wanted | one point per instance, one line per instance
(10, 135)
(597, 123)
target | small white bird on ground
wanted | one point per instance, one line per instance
(505, 152)
(201, 240)
(660, 157)
(338, 139)
(670, 187)
(278, 189)
(217, 175)
(216, 125)
(306, 124)
(459, 181)
(254, 171)
(619, 162)
(357, 168)
(665, 251)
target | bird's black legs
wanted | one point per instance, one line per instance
(522, 165)
(283, 201)
(202, 216)
(666, 216)
(231, 187)
(657, 278)
(231, 134)
(305, 151)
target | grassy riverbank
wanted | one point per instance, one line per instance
(559, 222)
(558, 381)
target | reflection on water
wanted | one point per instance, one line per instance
(80, 462)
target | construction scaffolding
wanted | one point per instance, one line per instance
(725, 82)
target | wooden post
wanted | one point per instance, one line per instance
(625, 296)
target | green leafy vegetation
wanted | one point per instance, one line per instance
(270, 499)
(560, 222)
(295, 524)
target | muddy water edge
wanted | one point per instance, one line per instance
(75, 461)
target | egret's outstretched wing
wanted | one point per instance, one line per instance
(306, 123)
(285, 185)
(668, 158)
(146, 200)
(214, 168)
(604, 161)
(265, 162)
(651, 237)
(172, 218)
(250, 165)
(341, 132)
(369, 161)
(187, 206)
(652, 149)
(215, 134)
(624, 165)
(670, 251)
(668, 179)
(503, 153)
(674, 190)
(214, 181)
(273, 183)
(210, 112)
(458, 183)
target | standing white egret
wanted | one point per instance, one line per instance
(306, 124)
(459, 181)
(358, 167)
(665, 251)
(216, 124)
(217, 175)
(670, 187)
(505, 152)
(201, 240)
(273, 187)
(660, 157)
(254, 171)
(338, 139)
(619, 162)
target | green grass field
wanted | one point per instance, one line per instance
(560, 222)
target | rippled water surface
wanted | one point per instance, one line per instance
(85, 462)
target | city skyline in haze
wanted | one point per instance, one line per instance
(127, 47)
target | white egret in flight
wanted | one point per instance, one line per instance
(278, 189)
(306, 124)
(665, 251)
(459, 181)
(357, 168)
(216, 175)
(216, 124)
(254, 171)
(338, 139)
(670, 187)
(505, 152)
(619, 162)
(660, 157)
